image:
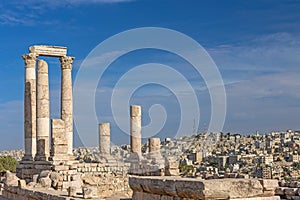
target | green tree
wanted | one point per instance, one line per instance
(186, 169)
(8, 163)
(1, 168)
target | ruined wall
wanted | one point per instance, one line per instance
(169, 188)
(102, 179)
(106, 179)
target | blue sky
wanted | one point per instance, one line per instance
(255, 45)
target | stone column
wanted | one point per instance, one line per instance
(136, 129)
(42, 112)
(154, 145)
(30, 106)
(67, 99)
(104, 139)
(154, 149)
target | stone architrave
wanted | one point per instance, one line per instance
(53, 51)
(43, 112)
(67, 99)
(30, 106)
(136, 129)
(104, 139)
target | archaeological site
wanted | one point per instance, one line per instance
(49, 169)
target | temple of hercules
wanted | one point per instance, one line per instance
(47, 141)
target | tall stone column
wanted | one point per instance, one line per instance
(30, 106)
(67, 99)
(136, 129)
(104, 139)
(42, 112)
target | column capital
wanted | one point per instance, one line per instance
(30, 59)
(66, 62)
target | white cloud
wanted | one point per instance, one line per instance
(37, 4)
(95, 1)
(269, 53)
(30, 12)
(265, 103)
(7, 19)
(99, 61)
(262, 82)
(273, 85)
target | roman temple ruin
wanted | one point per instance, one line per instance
(49, 170)
(39, 154)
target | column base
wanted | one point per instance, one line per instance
(25, 170)
(42, 165)
(27, 158)
(41, 158)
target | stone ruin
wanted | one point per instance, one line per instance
(48, 157)
(39, 154)
(48, 169)
(48, 161)
(152, 164)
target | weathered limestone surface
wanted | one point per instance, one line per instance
(30, 106)
(136, 129)
(269, 185)
(11, 179)
(89, 192)
(236, 188)
(59, 142)
(72, 191)
(171, 166)
(259, 198)
(43, 112)
(106, 179)
(154, 151)
(43, 50)
(152, 164)
(104, 139)
(67, 98)
(26, 170)
(189, 188)
(15, 193)
(154, 145)
(21, 184)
